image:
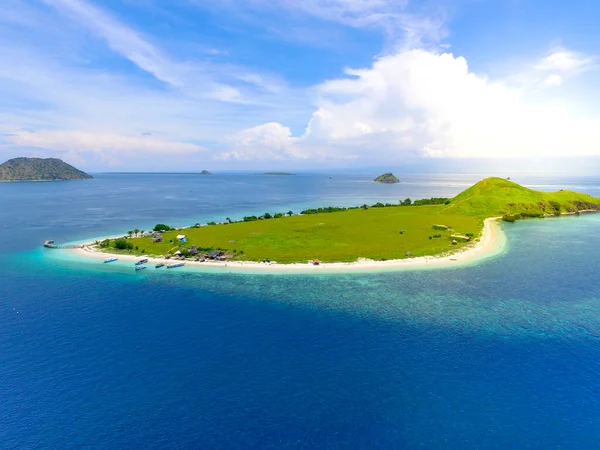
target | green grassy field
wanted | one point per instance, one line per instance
(340, 236)
(373, 233)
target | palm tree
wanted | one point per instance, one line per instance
(142, 232)
(130, 233)
(136, 231)
(228, 220)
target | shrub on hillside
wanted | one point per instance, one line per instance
(531, 214)
(431, 201)
(122, 244)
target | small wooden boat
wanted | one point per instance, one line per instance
(140, 267)
(174, 265)
(141, 261)
(109, 260)
(159, 265)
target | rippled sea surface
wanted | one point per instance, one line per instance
(505, 354)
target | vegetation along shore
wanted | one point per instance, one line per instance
(381, 232)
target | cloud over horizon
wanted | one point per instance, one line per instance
(219, 83)
(422, 103)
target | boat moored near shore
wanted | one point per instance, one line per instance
(174, 265)
(141, 261)
(109, 260)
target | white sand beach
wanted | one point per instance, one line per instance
(487, 245)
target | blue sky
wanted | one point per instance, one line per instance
(259, 84)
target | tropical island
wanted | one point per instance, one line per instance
(205, 172)
(379, 232)
(39, 169)
(387, 178)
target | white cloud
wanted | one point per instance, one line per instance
(564, 61)
(410, 102)
(562, 64)
(52, 82)
(268, 141)
(121, 39)
(397, 18)
(553, 80)
(224, 82)
(82, 141)
(420, 103)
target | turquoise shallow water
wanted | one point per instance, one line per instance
(501, 354)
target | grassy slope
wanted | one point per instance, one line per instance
(497, 196)
(372, 233)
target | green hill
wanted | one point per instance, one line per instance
(39, 169)
(500, 197)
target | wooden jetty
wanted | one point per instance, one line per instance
(52, 244)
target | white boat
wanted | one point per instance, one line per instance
(140, 267)
(109, 260)
(174, 265)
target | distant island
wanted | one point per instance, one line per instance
(205, 172)
(387, 178)
(379, 232)
(40, 169)
(279, 173)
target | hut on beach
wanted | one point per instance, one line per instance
(182, 238)
(215, 254)
(316, 262)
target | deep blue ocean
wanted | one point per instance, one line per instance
(503, 354)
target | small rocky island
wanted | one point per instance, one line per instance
(40, 169)
(387, 178)
(205, 172)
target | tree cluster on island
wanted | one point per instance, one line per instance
(405, 202)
